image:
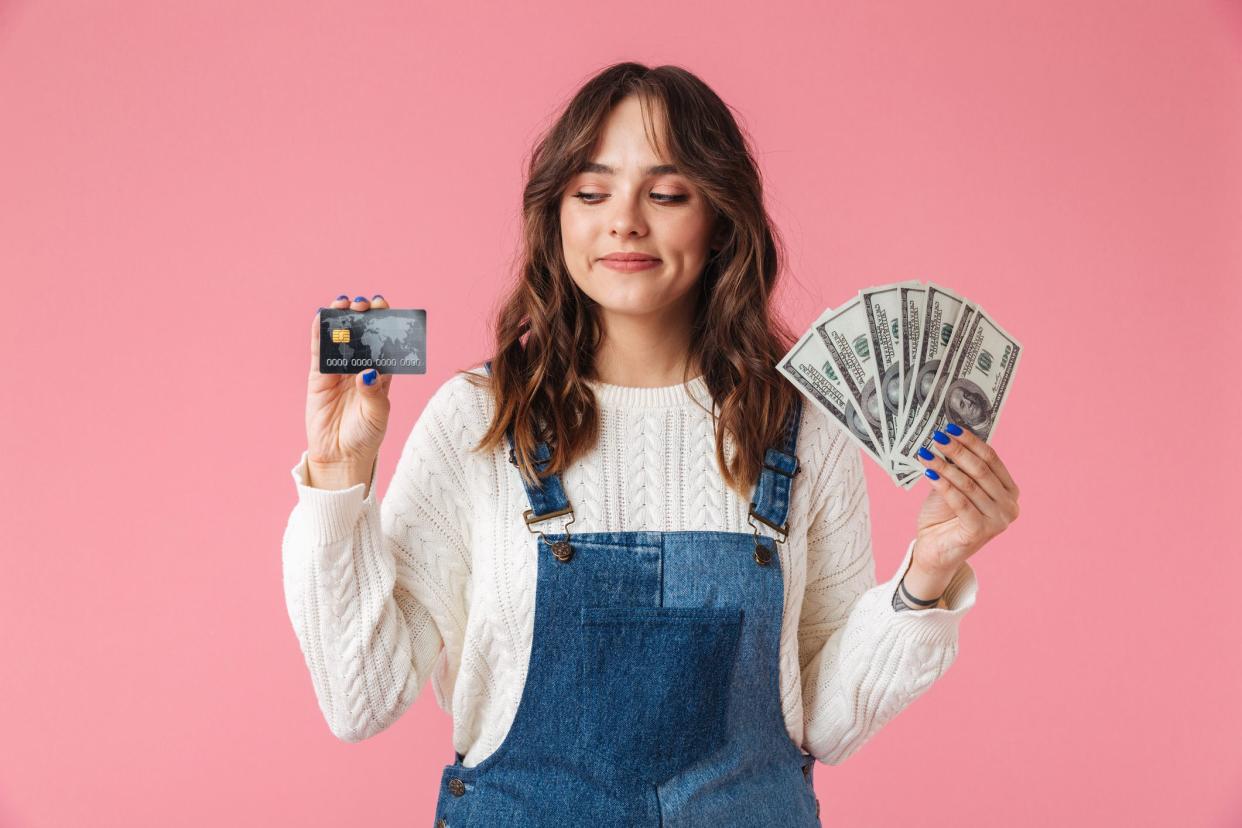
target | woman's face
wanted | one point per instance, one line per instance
(620, 205)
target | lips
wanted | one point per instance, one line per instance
(629, 262)
(630, 257)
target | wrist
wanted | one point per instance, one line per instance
(919, 586)
(338, 474)
(935, 577)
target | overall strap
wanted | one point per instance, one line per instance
(770, 504)
(546, 500)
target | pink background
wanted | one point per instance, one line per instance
(197, 178)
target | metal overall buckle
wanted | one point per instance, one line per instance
(762, 554)
(561, 549)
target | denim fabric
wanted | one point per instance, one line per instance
(652, 696)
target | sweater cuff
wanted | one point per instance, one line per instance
(936, 624)
(329, 515)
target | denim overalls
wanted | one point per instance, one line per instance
(653, 695)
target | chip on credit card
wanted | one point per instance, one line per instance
(390, 340)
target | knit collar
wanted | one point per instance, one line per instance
(692, 393)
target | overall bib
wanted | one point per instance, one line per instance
(653, 694)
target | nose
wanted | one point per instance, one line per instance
(627, 218)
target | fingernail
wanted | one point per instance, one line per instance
(940, 437)
(925, 454)
(953, 428)
(360, 298)
(342, 296)
(377, 296)
(931, 473)
(368, 377)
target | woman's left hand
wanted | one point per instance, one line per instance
(973, 501)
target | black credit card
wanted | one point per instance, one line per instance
(390, 340)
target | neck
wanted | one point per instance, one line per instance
(645, 351)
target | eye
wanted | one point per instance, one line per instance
(663, 198)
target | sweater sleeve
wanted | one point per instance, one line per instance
(377, 595)
(863, 661)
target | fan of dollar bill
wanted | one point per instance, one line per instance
(898, 362)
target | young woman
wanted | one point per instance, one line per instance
(635, 567)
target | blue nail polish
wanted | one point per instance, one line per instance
(925, 454)
(368, 377)
(342, 296)
(377, 296)
(931, 473)
(940, 437)
(360, 298)
(953, 428)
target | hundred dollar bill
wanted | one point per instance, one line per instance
(808, 366)
(920, 426)
(978, 383)
(882, 307)
(913, 298)
(940, 314)
(844, 332)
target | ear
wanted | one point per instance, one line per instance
(719, 234)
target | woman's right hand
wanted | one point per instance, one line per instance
(345, 418)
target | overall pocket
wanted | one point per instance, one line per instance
(655, 683)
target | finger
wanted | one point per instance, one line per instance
(958, 454)
(965, 484)
(378, 302)
(987, 454)
(970, 516)
(339, 302)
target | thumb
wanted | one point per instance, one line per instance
(369, 384)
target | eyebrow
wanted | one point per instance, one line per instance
(658, 169)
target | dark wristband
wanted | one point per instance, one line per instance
(902, 599)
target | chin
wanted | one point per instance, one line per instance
(628, 308)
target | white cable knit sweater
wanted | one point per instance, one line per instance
(438, 580)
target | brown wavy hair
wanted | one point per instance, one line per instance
(547, 329)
